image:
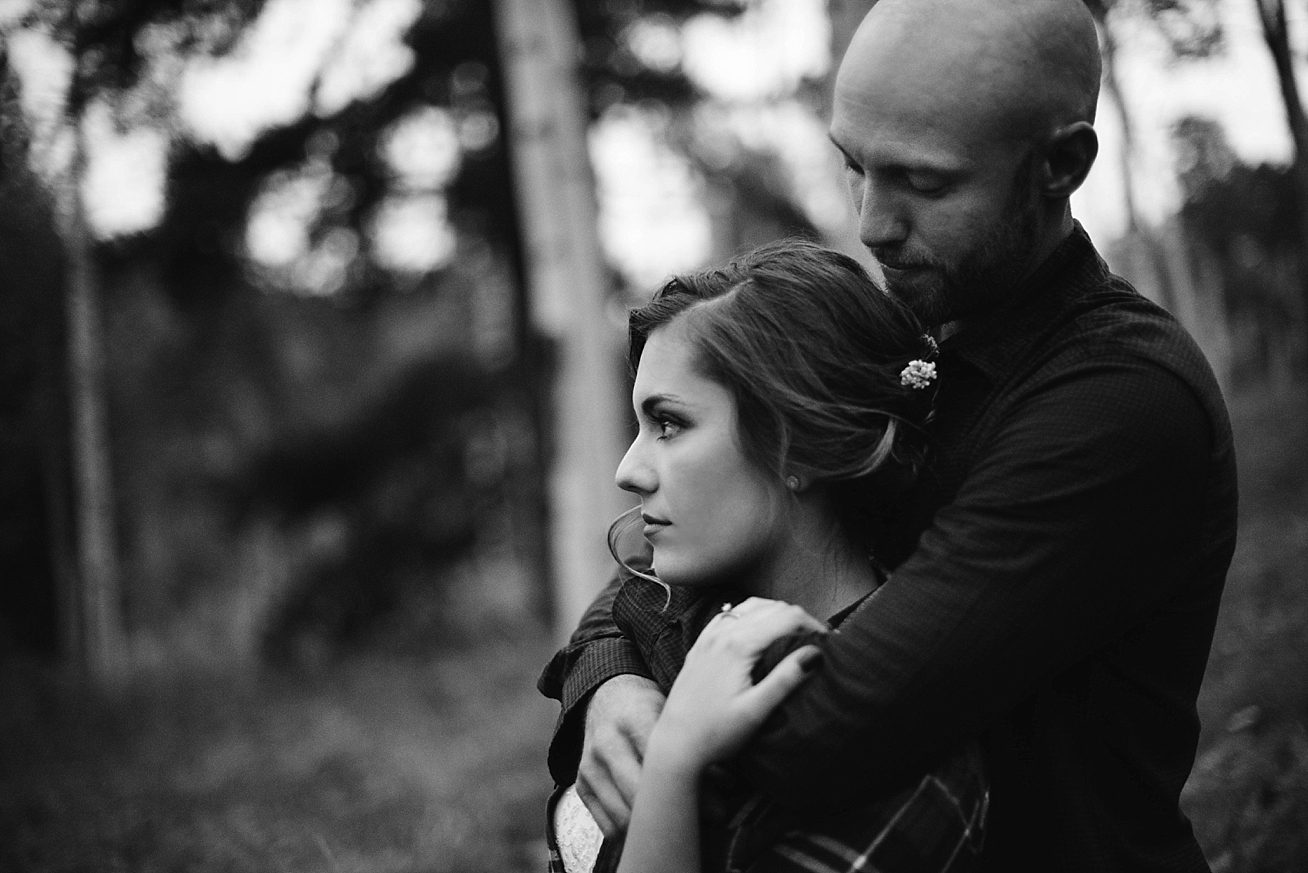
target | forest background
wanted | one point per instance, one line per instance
(311, 387)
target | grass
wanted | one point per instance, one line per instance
(386, 766)
(1248, 792)
(420, 766)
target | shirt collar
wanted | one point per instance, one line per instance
(994, 342)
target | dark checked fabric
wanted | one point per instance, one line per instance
(935, 825)
(1054, 589)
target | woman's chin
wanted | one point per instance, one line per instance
(683, 574)
(672, 572)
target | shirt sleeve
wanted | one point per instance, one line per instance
(1077, 517)
(596, 652)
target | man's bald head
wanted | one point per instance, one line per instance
(966, 126)
(1019, 67)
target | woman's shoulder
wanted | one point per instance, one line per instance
(664, 621)
(645, 598)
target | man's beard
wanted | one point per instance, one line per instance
(975, 285)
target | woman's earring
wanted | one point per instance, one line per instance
(792, 482)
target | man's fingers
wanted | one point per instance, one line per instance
(605, 803)
(626, 775)
(783, 679)
(620, 764)
(619, 718)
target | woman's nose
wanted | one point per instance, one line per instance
(634, 474)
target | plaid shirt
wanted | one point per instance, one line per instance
(933, 826)
(1054, 591)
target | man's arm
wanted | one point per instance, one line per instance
(1076, 521)
(596, 652)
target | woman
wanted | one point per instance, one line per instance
(780, 402)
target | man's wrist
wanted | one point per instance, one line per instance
(621, 682)
(617, 688)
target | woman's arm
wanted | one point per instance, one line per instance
(714, 707)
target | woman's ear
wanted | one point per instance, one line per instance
(1068, 156)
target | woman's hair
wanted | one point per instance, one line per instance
(813, 353)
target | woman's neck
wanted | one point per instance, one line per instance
(817, 569)
(825, 587)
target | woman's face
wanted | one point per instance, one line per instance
(710, 514)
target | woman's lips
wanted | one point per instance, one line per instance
(654, 524)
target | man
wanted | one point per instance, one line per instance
(1056, 591)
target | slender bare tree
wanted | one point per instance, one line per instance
(1276, 33)
(98, 607)
(569, 288)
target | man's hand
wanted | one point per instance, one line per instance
(619, 719)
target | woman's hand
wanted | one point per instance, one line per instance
(714, 706)
(713, 709)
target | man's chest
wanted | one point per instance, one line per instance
(967, 408)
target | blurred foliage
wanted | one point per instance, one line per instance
(1245, 218)
(1248, 792)
(31, 343)
(613, 72)
(436, 764)
(308, 463)
(1192, 29)
(763, 202)
(303, 476)
(402, 409)
(107, 37)
(299, 459)
(1231, 264)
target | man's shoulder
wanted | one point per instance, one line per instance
(1111, 310)
(1079, 302)
(1112, 323)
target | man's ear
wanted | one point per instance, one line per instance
(1069, 154)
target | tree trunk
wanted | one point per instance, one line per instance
(1276, 32)
(845, 16)
(55, 432)
(99, 602)
(1113, 85)
(1168, 288)
(1135, 228)
(568, 286)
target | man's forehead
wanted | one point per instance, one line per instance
(906, 132)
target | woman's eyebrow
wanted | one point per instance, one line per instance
(651, 403)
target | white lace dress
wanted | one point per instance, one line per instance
(577, 834)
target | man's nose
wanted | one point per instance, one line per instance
(881, 223)
(634, 473)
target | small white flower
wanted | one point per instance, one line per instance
(918, 374)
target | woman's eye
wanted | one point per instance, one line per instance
(667, 427)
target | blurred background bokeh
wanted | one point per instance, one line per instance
(311, 387)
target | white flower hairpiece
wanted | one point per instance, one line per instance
(918, 374)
